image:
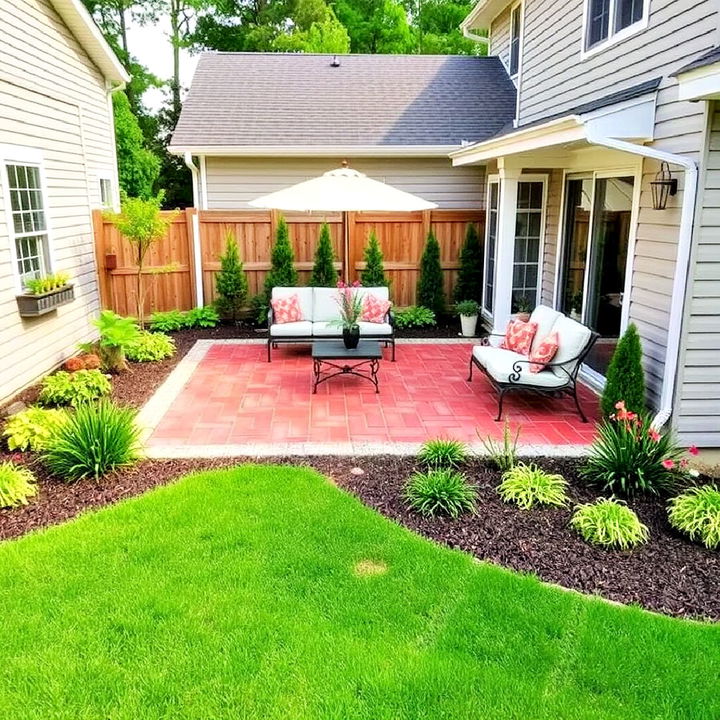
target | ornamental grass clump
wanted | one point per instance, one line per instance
(33, 428)
(609, 523)
(529, 485)
(696, 513)
(442, 491)
(443, 453)
(17, 484)
(98, 437)
(503, 455)
(629, 456)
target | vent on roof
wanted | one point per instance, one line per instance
(335, 62)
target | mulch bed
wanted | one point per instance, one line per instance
(669, 575)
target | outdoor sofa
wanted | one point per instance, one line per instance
(510, 371)
(319, 308)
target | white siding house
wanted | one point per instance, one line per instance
(57, 163)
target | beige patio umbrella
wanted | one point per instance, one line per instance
(342, 190)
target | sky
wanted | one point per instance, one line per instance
(151, 46)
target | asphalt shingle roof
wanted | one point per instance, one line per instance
(278, 99)
(708, 58)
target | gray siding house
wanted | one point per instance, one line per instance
(606, 106)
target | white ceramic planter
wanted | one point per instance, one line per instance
(468, 323)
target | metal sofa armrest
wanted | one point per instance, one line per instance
(270, 316)
(485, 340)
(390, 318)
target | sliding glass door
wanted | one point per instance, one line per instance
(598, 215)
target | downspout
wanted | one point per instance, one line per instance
(682, 262)
(197, 251)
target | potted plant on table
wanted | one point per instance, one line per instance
(44, 294)
(468, 310)
(350, 303)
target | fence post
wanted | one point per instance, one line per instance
(100, 252)
(192, 220)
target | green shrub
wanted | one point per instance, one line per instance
(629, 457)
(202, 317)
(467, 307)
(282, 271)
(431, 293)
(529, 485)
(625, 379)
(116, 334)
(150, 347)
(470, 274)
(17, 484)
(443, 452)
(98, 437)
(440, 492)
(697, 514)
(32, 428)
(413, 316)
(374, 273)
(230, 282)
(169, 321)
(82, 386)
(502, 454)
(324, 273)
(47, 283)
(609, 523)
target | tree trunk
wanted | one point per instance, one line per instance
(175, 28)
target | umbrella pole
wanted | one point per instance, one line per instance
(346, 246)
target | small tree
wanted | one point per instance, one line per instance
(374, 273)
(231, 283)
(625, 379)
(470, 275)
(142, 225)
(430, 292)
(324, 273)
(282, 273)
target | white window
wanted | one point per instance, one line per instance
(515, 37)
(106, 193)
(28, 220)
(607, 21)
(528, 241)
(490, 247)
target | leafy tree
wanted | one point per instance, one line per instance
(470, 275)
(324, 273)
(231, 283)
(625, 379)
(282, 272)
(138, 167)
(430, 292)
(374, 273)
(435, 25)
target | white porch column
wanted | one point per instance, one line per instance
(505, 249)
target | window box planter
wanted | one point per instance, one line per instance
(30, 305)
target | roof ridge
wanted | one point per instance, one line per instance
(265, 53)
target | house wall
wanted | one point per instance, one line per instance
(697, 419)
(500, 37)
(51, 98)
(230, 182)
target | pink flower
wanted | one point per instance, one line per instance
(693, 450)
(620, 405)
(684, 463)
(654, 435)
(668, 464)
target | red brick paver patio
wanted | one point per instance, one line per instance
(234, 397)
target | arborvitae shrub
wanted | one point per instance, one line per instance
(324, 273)
(374, 273)
(282, 272)
(625, 379)
(430, 292)
(231, 282)
(470, 275)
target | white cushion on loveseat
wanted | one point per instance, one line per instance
(325, 304)
(292, 329)
(368, 328)
(325, 329)
(305, 297)
(499, 365)
(545, 318)
(573, 337)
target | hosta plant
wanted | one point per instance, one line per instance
(98, 437)
(32, 428)
(440, 492)
(17, 484)
(203, 317)
(169, 321)
(443, 452)
(609, 523)
(696, 513)
(117, 333)
(414, 316)
(629, 456)
(529, 485)
(64, 388)
(150, 347)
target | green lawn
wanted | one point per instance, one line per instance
(236, 594)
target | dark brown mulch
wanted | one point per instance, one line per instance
(669, 575)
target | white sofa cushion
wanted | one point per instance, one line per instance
(381, 293)
(545, 318)
(325, 304)
(573, 337)
(368, 328)
(325, 329)
(499, 364)
(305, 297)
(303, 328)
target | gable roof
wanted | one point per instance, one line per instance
(254, 102)
(78, 20)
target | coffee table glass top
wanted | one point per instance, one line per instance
(336, 350)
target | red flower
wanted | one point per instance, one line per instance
(684, 463)
(693, 450)
(654, 435)
(620, 405)
(668, 463)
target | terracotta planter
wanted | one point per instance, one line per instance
(30, 305)
(351, 337)
(522, 317)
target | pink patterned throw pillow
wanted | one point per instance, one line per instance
(519, 336)
(286, 309)
(374, 309)
(544, 352)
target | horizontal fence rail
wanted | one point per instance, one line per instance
(173, 263)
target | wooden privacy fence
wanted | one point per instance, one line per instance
(196, 239)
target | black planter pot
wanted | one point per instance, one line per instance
(351, 337)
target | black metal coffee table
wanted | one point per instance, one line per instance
(336, 359)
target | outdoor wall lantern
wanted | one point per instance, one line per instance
(662, 187)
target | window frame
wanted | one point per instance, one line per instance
(26, 157)
(515, 8)
(614, 36)
(486, 311)
(106, 177)
(545, 181)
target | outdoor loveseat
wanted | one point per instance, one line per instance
(319, 308)
(508, 370)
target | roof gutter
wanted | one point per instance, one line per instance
(470, 35)
(682, 263)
